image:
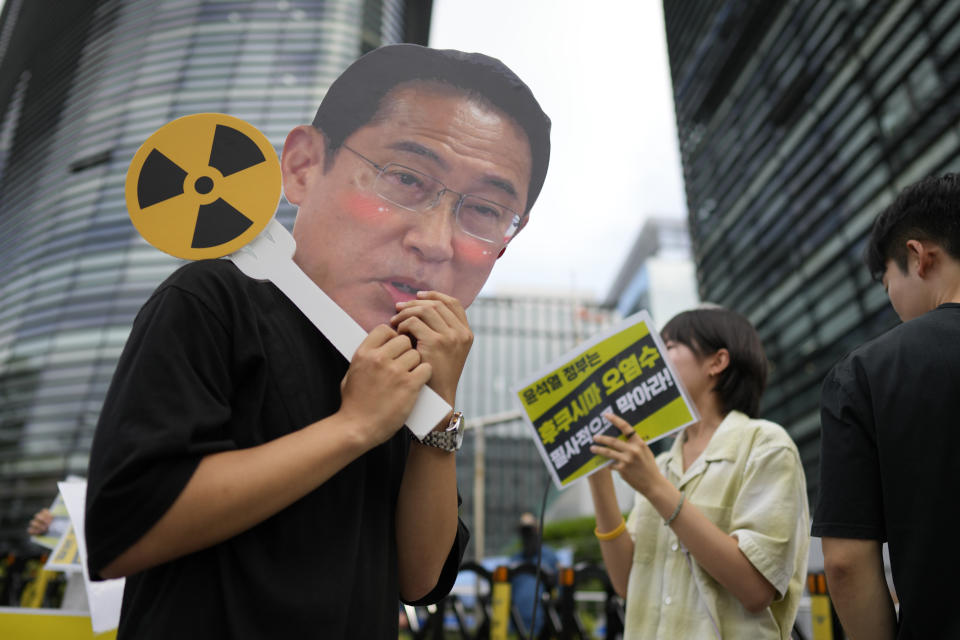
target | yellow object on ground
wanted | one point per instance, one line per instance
(33, 593)
(500, 609)
(48, 624)
(822, 617)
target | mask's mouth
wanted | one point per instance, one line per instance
(406, 288)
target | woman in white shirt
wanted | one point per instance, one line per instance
(731, 560)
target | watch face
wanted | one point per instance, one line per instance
(458, 436)
(456, 429)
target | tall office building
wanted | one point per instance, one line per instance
(798, 122)
(82, 84)
(514, 338)
(658, 274)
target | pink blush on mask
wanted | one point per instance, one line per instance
(474, 252)
(367, 207)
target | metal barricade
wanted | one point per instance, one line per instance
(475, 616)
(571, 623)
(546, 606)
(432, 627)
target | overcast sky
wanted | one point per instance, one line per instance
(599, 70)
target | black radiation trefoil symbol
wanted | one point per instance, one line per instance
(217, 222)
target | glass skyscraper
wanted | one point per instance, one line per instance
(798, 122)
(514, 337)
(82, 84)
(658, 273)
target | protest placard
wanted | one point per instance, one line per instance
(624, 370)
(66, 555)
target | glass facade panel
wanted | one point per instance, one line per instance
(514, 338)
(82, 85)
(832, 108)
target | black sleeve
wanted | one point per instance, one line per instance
(450, 568)
(167, 407)
(850, 503)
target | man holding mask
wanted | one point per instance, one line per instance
(249, 480)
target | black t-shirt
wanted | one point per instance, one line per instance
(217, 361)
(890, 462)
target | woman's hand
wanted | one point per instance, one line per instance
(40, 523)
(632, 457)
(715, 550)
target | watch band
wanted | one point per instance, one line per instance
(450, 438)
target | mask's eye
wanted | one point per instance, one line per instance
(487, 220)
(478, 209)
(405, 186)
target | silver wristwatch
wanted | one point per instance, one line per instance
(450, 438)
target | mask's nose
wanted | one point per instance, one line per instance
(430, 233)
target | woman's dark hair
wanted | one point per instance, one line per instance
(705, 331)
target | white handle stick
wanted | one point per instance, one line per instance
(269, 257)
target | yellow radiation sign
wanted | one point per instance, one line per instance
(203, 186)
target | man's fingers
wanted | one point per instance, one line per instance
(397, 346)
(448, 301)
(379, 336)
(422, 373)
(415, 327)
(409, 359)
(435, 315)
(451, 311)
(448, 306)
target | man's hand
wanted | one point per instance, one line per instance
(439, 325)
(232, 491)
(382, 384)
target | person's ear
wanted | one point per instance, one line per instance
(719, 361)
(303, 151)
(923, 254)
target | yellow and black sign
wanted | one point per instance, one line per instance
(624, 371)
(203, 186)
(66, 554)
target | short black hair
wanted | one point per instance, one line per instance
(926, 210)
(355, 97)
(707, 330)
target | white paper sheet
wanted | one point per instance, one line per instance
(104, 597)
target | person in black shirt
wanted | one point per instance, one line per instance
(248, 480)
(889, 432)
